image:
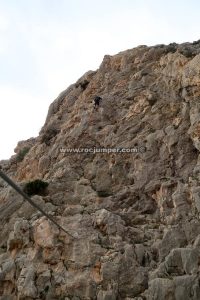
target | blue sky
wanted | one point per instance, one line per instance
(45, 45)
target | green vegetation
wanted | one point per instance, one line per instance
(196, 42)
(48, 135)
(36, 187)
(22, 153)
(187, 52)
(171, 48)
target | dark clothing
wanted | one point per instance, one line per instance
(97, 100)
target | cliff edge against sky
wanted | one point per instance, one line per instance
(134, 216)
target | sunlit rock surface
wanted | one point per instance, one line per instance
(133, 218)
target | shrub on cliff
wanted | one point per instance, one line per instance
(35, 187)
(48, 135)
(22, 153)
(187, 52)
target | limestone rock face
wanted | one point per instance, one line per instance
(132, 211)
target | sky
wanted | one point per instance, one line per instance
(46, 45)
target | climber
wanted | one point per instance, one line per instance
(97, 100)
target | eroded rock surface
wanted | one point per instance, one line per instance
(133, 218)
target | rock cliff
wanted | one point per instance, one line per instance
(133, 216)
